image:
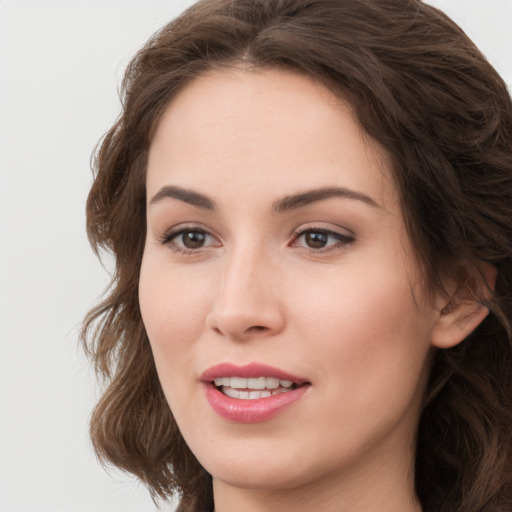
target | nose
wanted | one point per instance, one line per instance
(246, 303)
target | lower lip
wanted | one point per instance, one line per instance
(251, 411)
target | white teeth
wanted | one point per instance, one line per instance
(238, 382)
(250, 395)
(253, 387)
(255, 383)
(272, 383)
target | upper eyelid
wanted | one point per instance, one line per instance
(329, 232)
(339, 239)
(337, 230)
(168, 239)
(175, 230)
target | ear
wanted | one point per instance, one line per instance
(461, 311)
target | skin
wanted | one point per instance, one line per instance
(352, 318)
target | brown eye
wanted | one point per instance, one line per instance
(189, 240)
(321, 239)
(316, 239)
(193, 239)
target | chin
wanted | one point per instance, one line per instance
(260, 476)
(256, 464)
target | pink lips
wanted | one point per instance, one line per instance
(250, 411)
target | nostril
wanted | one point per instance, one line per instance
(257, 328)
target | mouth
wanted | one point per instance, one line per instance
(253, 388)
(251, 393)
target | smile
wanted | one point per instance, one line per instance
(252, 388)
(251, 393)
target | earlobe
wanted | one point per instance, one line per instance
(464, 310)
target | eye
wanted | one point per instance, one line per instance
(189, 239)
(320, 239)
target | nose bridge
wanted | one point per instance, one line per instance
(247, 302)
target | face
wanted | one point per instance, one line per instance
(279, 290)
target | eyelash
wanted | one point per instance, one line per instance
(170, 236)
(340, 239)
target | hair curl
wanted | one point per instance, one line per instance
(421, 89)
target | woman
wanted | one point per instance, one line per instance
(309, 203)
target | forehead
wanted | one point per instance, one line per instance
(270, 127)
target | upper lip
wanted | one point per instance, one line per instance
(247, 371)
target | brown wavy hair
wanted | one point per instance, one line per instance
(421, 89)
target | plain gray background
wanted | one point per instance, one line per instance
(60, 65)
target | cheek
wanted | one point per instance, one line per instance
(365, 304)
(172, 309)
(367, 332)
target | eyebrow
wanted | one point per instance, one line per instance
(282, 205)
(187, 196)
(312, 196)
